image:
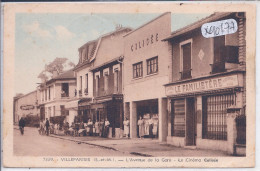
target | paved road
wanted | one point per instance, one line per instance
(33, 144)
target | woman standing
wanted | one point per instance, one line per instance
(107, 123)
(97, 128)
(141, 127)
(126, 127)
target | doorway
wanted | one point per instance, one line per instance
(190, 122)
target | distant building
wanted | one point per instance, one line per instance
(55, 93)
(25, 105)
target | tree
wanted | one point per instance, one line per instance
(59, 65)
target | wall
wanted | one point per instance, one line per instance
(110, 47)
(200, 66)
(28, 99)
(138, 47)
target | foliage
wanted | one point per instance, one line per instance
(59, 65)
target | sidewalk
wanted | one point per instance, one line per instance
(142, 147)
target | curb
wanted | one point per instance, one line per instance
(84, 142)
(102, 146)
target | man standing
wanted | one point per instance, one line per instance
(47, 125)
(22, 125)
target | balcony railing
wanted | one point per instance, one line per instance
(86, 91)
(185, 74)
(64, 95)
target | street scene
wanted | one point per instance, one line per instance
(33, 144)
(145, 87)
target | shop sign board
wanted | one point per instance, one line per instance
(202, 85)
(27, 107)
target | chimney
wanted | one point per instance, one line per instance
(118, 26)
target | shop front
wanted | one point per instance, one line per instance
(110, 108)
(84, 110)
(148, 111)
(198, 110)
(146, 63)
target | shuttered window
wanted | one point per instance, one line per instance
(178, 118)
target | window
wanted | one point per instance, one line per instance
(86, 89)
(116, 81)
(106, 80)
(64, 90)
(49, 89)
(53, 110)
(138, 70)
(45, 94)
(214, 124)
(62, 110)
(152, 65)
(97, 84)
(223, 54)
(185, 59)
(178, 118)
(80, 86)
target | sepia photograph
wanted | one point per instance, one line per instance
(137, 87)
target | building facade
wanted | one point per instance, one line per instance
(107, 81)
(146, 63)
(55, 93)
(207, 77)
(25, 105)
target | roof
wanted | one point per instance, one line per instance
(107, 63)
(20, 96)
(146, 24)
(197, 24)
(97, 42)
(66, 75)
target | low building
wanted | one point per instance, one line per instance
(55, 93)
(207, 77)
(25, 105)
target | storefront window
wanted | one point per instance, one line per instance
(214, 116)
(138, 70)
(152, 65)
(178, 118)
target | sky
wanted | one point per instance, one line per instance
(40, 38)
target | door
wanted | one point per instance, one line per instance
(190, 122)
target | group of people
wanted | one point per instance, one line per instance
(88, 129)
(44, 128)
(148, 128)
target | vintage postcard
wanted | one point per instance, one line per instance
(129, 84)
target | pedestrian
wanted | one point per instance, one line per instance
(155, 128)
(141, 127)
(41, 131)
(90, 127)
(126, 127)
(81, 129)
(106, 129)
(22, 125)
(47, 125)
(97, 128)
